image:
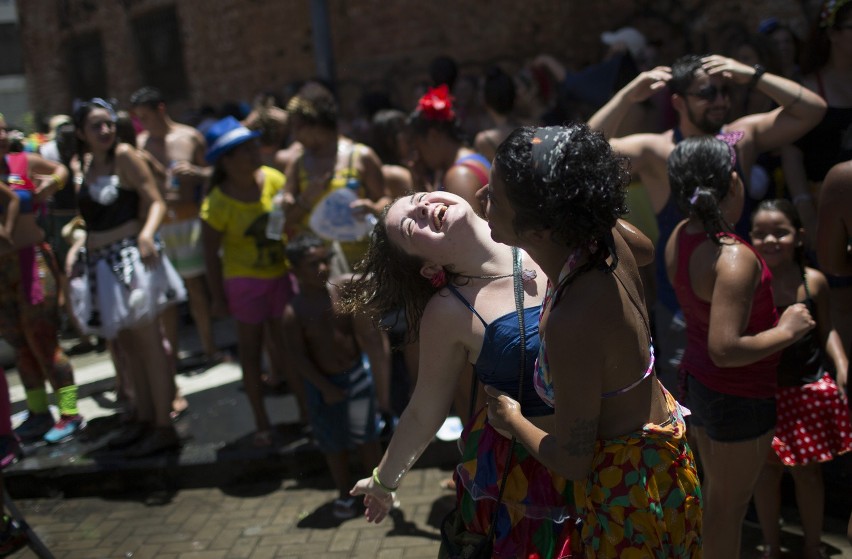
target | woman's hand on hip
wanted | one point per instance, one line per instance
(148, 251)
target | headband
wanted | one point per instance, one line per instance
(99, 103)
(547, 146)
(829, 12)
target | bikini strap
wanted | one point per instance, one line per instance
(461, 298)
(805, 280)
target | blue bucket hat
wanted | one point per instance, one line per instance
(225, 135)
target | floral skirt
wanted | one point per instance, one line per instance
(536, 517)
(813, 423)
(643, 498)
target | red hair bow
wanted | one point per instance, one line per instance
(437, 104)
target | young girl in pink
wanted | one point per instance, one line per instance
(813, 423)
(246, 264)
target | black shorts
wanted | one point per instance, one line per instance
(727, 418)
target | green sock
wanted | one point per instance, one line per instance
(67, 396)
(37, 400)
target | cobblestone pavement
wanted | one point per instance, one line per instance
(273, 518)
(230, 501)
(288, 518)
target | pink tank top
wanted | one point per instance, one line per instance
(757, 380)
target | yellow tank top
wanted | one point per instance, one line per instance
(342, 178)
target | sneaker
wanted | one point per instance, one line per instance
(344, 508)
(10, 450)
(34, 426)
(64, 429)
(12, 537)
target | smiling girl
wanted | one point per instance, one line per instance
(813, 416)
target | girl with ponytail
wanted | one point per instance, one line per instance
(734, 335)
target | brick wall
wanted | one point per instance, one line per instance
(233, 49)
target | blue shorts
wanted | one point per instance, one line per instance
(347, 424)
(727, 418)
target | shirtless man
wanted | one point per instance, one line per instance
(180, 149)
(700, 94)
(326, 348)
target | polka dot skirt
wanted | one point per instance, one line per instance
(813, 423)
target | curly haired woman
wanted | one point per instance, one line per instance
(558, 194)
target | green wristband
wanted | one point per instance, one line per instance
(378, 482)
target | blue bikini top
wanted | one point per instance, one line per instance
(500, 356)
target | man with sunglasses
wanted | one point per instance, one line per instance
(700, 94)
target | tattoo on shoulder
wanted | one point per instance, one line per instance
(580, 437)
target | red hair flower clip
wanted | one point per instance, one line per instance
(437, 104)
(439, 279)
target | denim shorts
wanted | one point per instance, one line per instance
(728, 418)
(347, 424)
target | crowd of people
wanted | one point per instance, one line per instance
(630, 377)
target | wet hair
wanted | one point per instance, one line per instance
(683, 72)
(147, 96)
(314, 105)
(699, 171)
(817, 47)
(578, 191)
(499, 90)
(300, 245)
(385, 278)
(385, 128)
(81, 113)
(789, 211)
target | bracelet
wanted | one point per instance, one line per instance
(378, 482)
(758, 73)
(60, 184)
(805, 197)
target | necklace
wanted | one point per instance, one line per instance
(500, 276)
(526, 275)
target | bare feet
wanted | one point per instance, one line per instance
(179, 407)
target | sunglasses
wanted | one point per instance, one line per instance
(710, 92)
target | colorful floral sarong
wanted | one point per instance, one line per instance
(643, 497)
(537, 517)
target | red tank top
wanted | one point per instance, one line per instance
(757, 380)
